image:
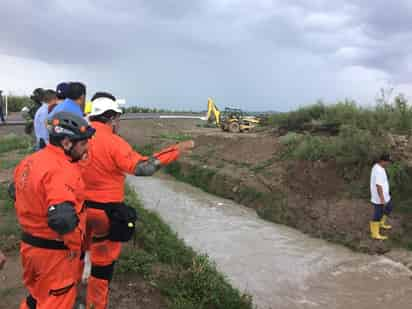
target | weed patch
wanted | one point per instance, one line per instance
(273, 207)
(395, 117)
(8, 164)
(145, 150)
(12, 142)
(198, 176)
(9, 227)
(263, 165)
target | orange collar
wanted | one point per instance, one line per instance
(101, 127)
(58, 151)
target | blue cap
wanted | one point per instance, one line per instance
(61, 90)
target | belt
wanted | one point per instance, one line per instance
(101, 206)
(43, 242)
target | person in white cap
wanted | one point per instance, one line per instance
(109, 220)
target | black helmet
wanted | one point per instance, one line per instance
(37, 95)
(69, 125)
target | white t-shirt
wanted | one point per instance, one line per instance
(379, 177)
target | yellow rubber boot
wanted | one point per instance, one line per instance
(375, 234)
(383, 223)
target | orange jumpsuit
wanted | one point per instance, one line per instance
(44, 179)
(110, 159)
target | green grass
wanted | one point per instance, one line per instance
(7, 203)
(8, 164)
(187, 280)
(274, 206)
(199, 177)
(353, 149)
(25, 151)
(145, 150)
(261, 166)
(12, 142)
(9, 227)
(395, 116)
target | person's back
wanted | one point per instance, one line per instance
(110, 158)
(75, 99)
(40, 119)
(379, 177)
(42, 179)
(68, 106)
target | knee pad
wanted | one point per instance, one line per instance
(103, 272)
(31, 302)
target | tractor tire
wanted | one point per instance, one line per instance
(234, 127)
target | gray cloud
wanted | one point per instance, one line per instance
(236, 49)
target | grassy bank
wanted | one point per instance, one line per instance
(9, 228)
(12, 142)
(394, 117)
(187, 279)
(364, 134)
(280, 206)
(12, 149)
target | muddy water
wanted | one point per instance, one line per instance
(279, 266)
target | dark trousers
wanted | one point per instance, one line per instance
(1, 114)
(40, 144)
(381, 210)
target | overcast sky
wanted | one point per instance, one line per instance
(253, 54)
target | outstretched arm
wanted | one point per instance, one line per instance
(166, 156)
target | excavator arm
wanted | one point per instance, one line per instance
(212, 110)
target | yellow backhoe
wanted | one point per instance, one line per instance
(231, 120)
(213, 113)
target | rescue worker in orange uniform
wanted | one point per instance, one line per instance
(49, 202)
(110, 159)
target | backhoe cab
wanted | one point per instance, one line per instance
(231, 120)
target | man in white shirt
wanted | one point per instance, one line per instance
(40, 119)
(380, 197)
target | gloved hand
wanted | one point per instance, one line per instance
(186, 146)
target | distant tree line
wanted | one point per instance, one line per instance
(138, 109)
(16, 103)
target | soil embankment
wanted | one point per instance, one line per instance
(311, 196)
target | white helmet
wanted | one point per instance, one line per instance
(101, 105)
(25, 112)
